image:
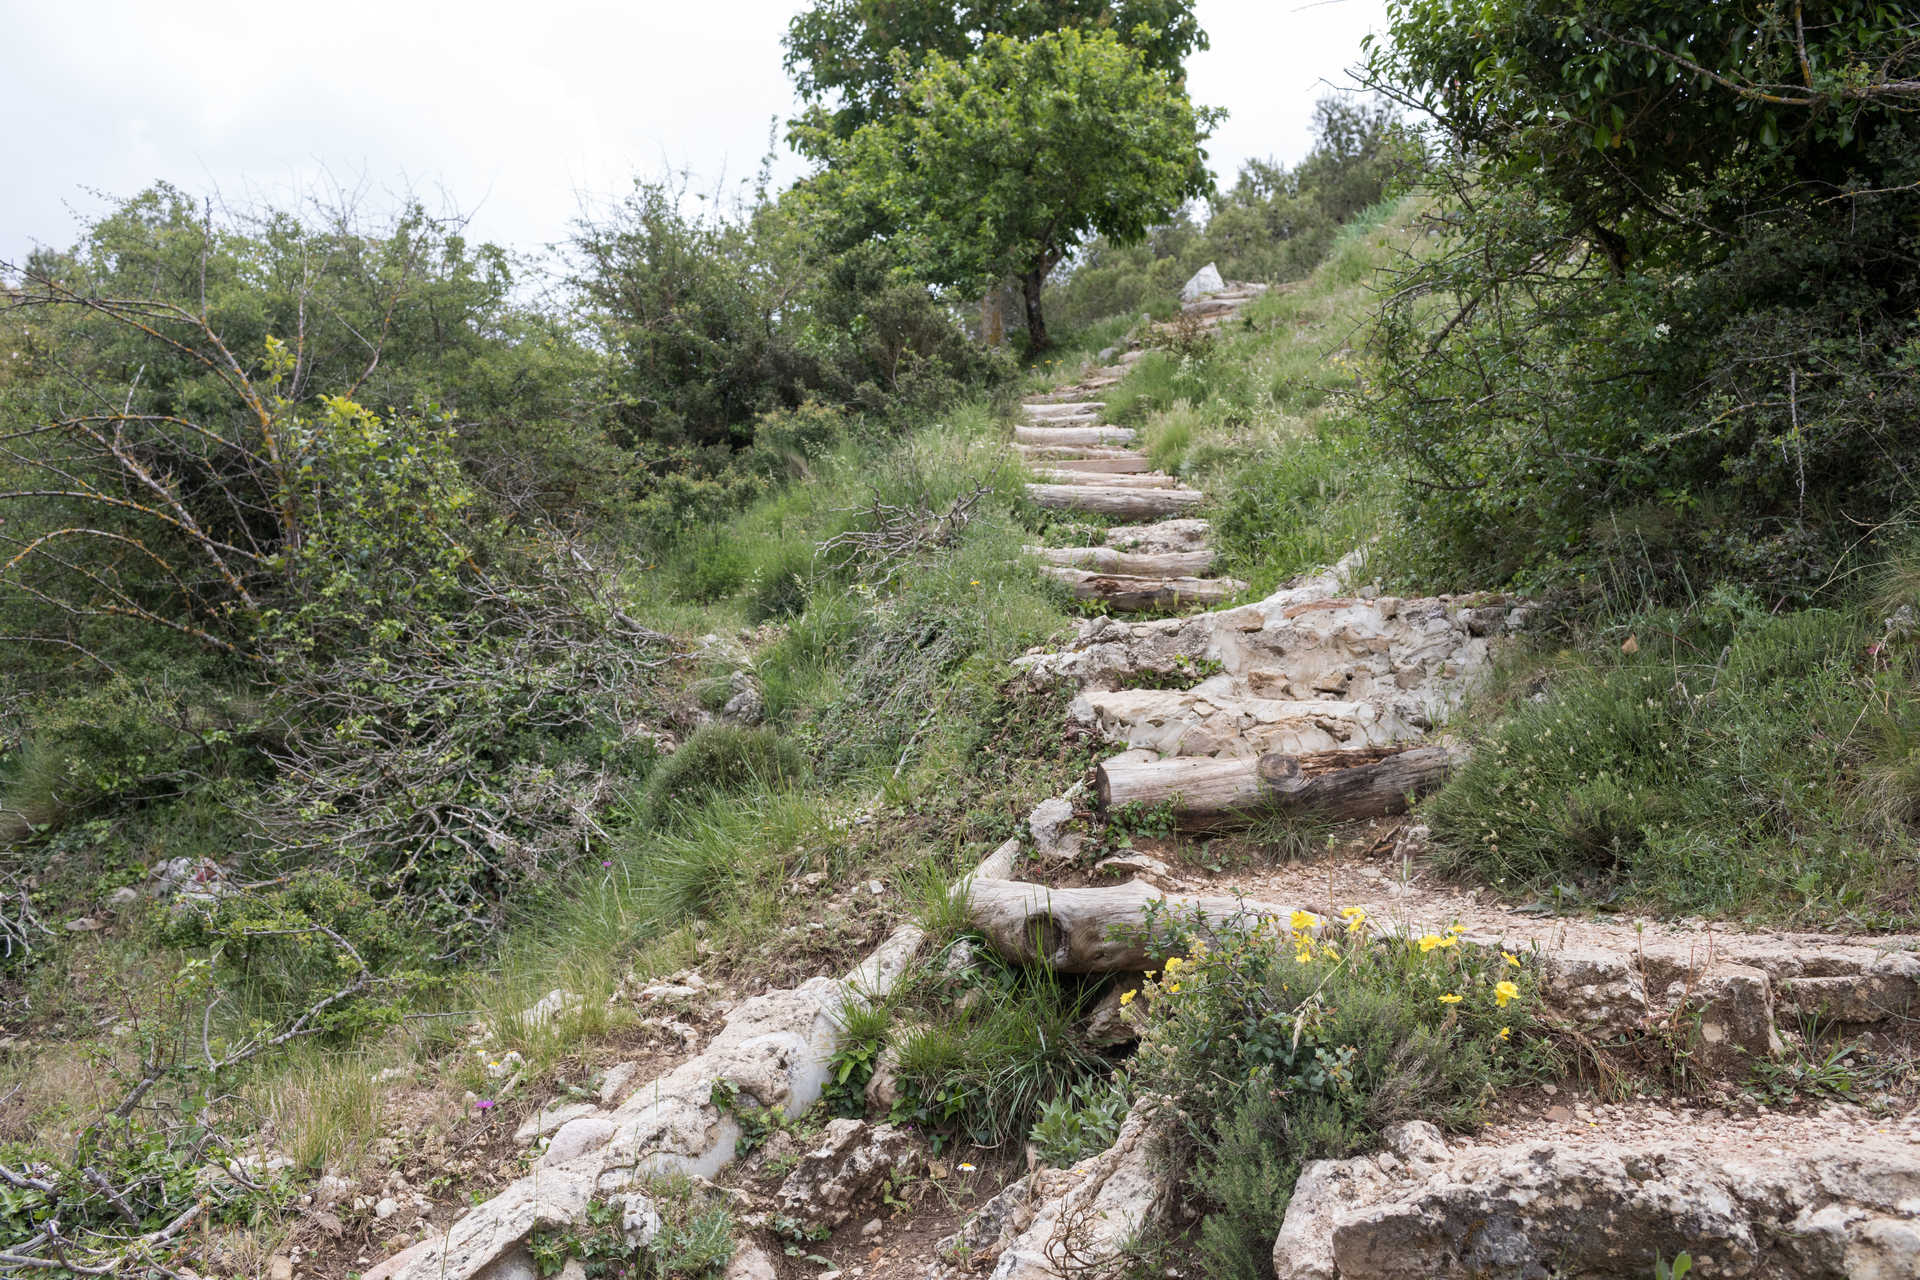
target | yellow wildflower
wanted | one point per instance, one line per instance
(1429, 941)
(1504, 992)
(1356, 918)
(1303, 920)
(1302, 957)
(1174, 989)
(1505, 1032)
(1457, 930)
(1173, 964)
(1451, 998)
(1126, 998)
(1513, 961)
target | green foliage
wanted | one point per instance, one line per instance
(853, 53)
(1739, 762)
(720, 760)
(1279, 1047)
(981, 1070)
(1083, 1122)
(1622, 326)
(757, 1122)
(863, 1034)
(696, 1239)
(1009, 158)
(1681, 1266)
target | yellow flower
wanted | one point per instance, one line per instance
(1429, 941)
(1457, 930)
(1504, 992)
(1356, 918)
(1450, 998)
(1126, 998)
(975, 582)
(1505, 1032)
(1173, 964)
(1174, 989)
(1512, 960)
(1302, 957)
(1303, 920)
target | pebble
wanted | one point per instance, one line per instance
(386, 1208)
(871, 1230)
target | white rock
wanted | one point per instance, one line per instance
(1205, 281)
(386, 1208)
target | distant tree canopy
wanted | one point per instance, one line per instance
(1676, 304)
(849, 58)
(1009, 158)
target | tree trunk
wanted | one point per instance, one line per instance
(1072, 437)
(1138, 595)
(1130, 504)
(1134, 564)
(1030, 286)
(1340, 784)
(1096, 930)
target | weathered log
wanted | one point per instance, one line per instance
(1059, 436)
(1090, 385)
(1167, 564)
(1338, 784)
(1130, 504)
(1074, 475)
(1137, 595)
(1090, 457)
(1064, 409)
(1104, 930)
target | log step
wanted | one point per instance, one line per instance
(1058, 436)
(1112, 480)
(1340, 784)
(1167, 564)
(1138, 595)
(1086, 458)
(1106, 500)
(1064, 409)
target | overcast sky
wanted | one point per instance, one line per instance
(515, 113)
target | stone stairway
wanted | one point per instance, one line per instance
(1081, 463)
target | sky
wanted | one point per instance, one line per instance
(518, 115)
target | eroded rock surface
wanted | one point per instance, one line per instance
(844, 1170)
(1812, 1200)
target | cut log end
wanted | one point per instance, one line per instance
(1341, 785)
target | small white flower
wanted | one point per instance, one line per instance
(1662, 329)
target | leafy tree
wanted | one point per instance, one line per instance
(1674, 313)
(1010, 158)
(856, 53)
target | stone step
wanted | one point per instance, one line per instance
(1186, 534)
(1137, 595)
(1108, 500)
(1057, 437)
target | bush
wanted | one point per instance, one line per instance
(719, 760)
(1282, 1046)
(1082, 1123)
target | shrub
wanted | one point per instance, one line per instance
(1279, 1046)
(1083, 1122)
(719, 760)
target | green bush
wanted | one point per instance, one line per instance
(1281, 1046)
(1083, 1122)
(720, 760)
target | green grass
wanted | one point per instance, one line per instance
(1737, 764)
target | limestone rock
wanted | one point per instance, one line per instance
(1093, 1210)
(1600, 1209)
(1205, 281)
(845, 1168)
(750, 1262)
(550, 1119)
(575, 1138)
(1048, 822)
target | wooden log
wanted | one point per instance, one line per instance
(1064, 409)
(1166, 564)
(1339, 784)
(1138, 595)
(1091, 457)
(1129, 504)
(1073, 474)
(1102, 930)
(1090, 385)
(1067, 436)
